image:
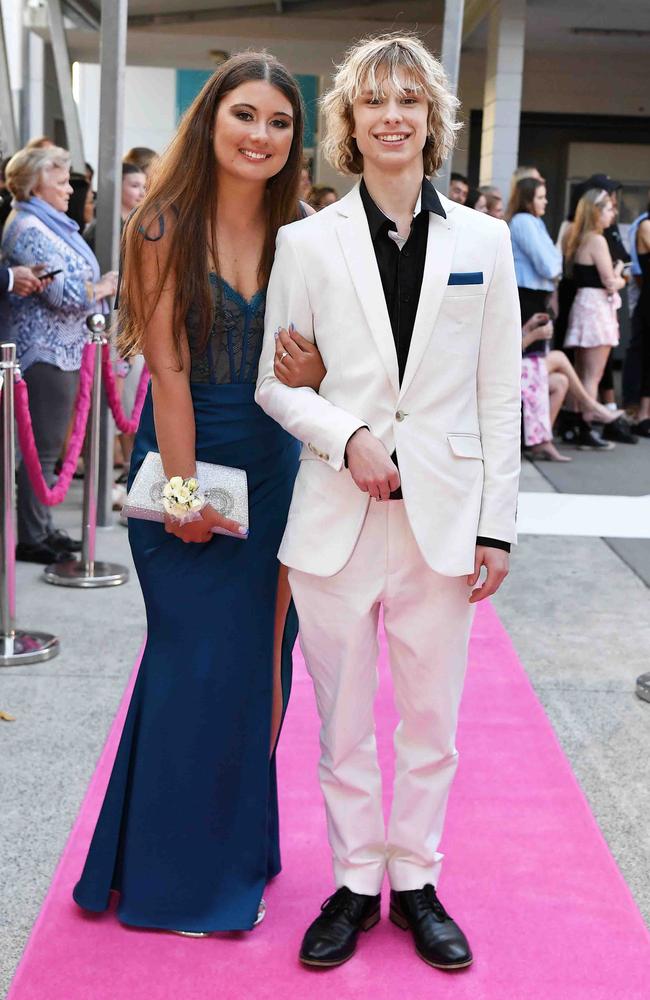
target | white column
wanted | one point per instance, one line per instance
(502, 95)
(452, 36)
(64, 81)
(8, 76)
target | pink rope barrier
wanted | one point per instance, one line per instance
(127, 425)
(51, 496)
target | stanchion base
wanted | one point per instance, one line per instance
(75, 573)
(27, 647)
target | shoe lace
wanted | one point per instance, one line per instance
(432, 901)
(340, 902)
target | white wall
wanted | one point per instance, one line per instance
(588, 84)
(149, 108)
(598, 84)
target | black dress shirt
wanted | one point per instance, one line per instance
(401, 273)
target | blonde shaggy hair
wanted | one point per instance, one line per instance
(370, 65)
(25, 169)
(587, 220)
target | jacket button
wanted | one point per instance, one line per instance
(400, 415)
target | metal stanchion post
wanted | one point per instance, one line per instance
(16, 646)
(87, 571)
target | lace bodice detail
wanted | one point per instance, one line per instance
(233, 350)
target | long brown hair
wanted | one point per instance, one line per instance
(586, 221)
(523, 195)
(182, 190)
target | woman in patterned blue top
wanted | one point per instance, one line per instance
(49, 328)
(188, 833)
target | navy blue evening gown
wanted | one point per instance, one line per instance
(188, 832)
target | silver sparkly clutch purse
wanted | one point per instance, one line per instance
(224, 488)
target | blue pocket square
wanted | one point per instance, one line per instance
(465, 278)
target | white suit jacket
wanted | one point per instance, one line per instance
(455, 419)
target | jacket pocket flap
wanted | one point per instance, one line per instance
(465, 445)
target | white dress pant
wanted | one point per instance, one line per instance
(427, 619)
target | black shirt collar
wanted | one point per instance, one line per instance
(430, 202)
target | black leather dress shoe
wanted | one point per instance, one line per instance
(41, 553)
(60, 541)
(438, 939)
(332, 938)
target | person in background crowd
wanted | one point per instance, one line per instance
(632, 364)
(143, 158)
(522, 173)
(567, 288)
(81, 204)
(602, 182)
(641, 324)
(5, 194)
(134, 186)
(132, 192)
(538, 263)
(89, 173)
(134, 183)
(477, 200)
(305, 181)
(458, 188)
(593, 325)
(48, 328)
(322, 195)
(41, 142)
(494, 200)
(546, 378)
(20, 281)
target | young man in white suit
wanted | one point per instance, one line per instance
(408, 479)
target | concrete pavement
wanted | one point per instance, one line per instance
(578, 614)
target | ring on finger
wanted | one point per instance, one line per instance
(283, 355)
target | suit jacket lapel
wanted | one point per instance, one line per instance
(437, 266)
(359, 253)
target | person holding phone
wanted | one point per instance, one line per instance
(48, 326)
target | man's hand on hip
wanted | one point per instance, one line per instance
(370, 465)
(497, 564)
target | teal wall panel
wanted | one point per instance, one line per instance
(309, 89)
(190, 81)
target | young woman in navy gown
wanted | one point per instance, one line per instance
(188, 832)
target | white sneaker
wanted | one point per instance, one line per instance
(118, 496)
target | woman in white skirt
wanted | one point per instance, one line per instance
(593, 324)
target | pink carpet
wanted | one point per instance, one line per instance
(527, 873)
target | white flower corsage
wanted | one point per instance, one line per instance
(182, 500)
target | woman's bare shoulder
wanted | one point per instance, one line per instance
(593, 245)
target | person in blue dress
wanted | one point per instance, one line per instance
(188, 831)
